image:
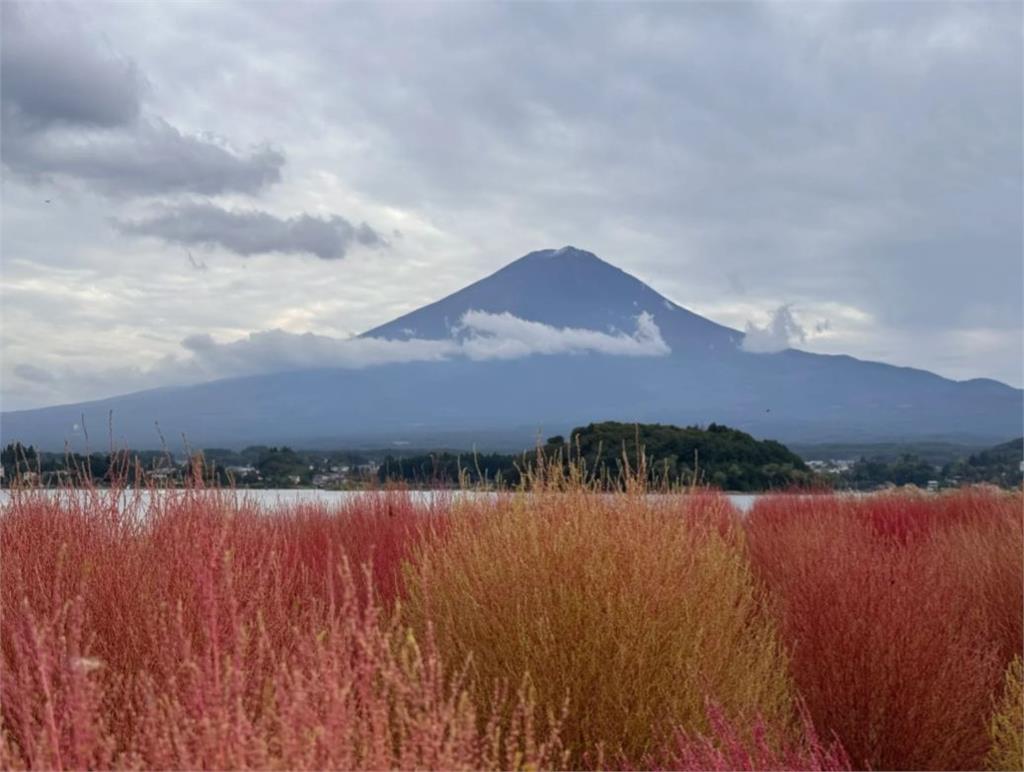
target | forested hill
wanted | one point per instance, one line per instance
(1000, 465)
(716, 455)
(724, 457)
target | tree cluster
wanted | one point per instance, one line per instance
(609, 451)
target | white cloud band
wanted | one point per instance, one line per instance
(478, 336)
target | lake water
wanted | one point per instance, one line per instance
(281, 498)
(271, 499)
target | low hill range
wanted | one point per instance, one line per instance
(548, 342)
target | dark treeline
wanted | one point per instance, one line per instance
(253, 467)
(452, 469)
(26, 463)
(608, 452)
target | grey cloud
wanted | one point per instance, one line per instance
(33, 374)
(818, 152)
(199, 342)
(252, 232)
(150, 157)
(72, 108)
(52, 73)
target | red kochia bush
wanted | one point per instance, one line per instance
(375, 529)
(890, 647)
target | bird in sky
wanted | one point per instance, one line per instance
(199, 265)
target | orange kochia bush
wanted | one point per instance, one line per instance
(625, 612)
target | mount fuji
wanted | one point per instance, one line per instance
(555, 339)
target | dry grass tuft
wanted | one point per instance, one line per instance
(1007, 727)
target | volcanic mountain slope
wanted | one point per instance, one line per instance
(697, 373)
(566, 287)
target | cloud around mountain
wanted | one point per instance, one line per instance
(478, 336)
(505, 336)
(782, 331)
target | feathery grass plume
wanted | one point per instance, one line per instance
(1007, 727)
(889, 646)
(626, 609)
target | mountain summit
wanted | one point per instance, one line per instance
(565, 287)
(594, 344)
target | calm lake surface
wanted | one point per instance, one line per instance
(271, 499)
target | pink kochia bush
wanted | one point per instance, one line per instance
(225, 651)
(127, 560)
(900, 614)
(728, 747)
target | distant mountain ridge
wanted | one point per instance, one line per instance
(706, 377)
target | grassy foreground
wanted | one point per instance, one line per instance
(561, 629)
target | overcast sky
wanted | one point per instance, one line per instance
(179, 176)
